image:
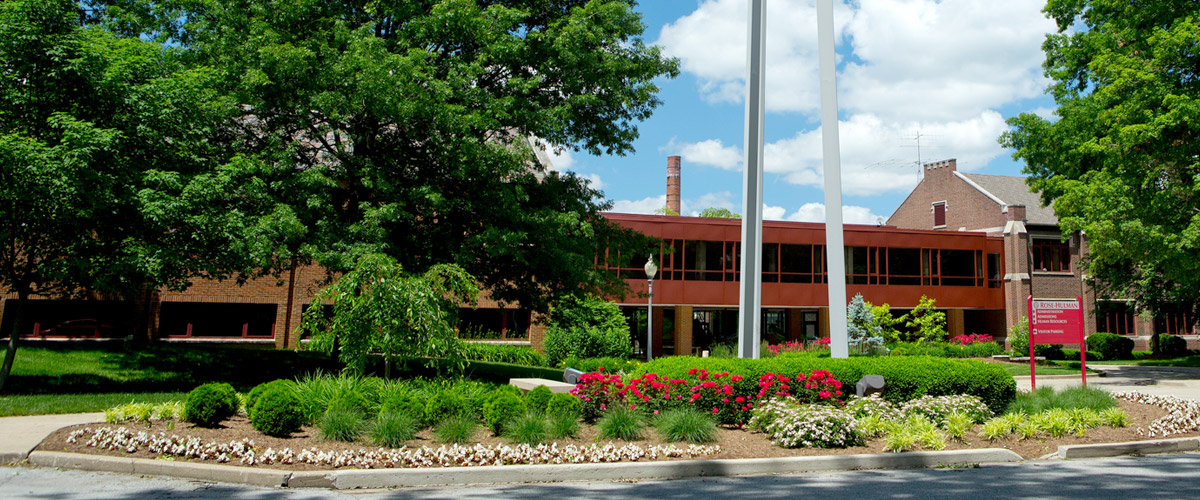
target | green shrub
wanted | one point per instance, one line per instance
(500, 353)
(411, 404)
(561, 425)
(392, 429)
(973, 350)
(906, 378)
(1052, 352)
(564, 404)
(1110, 346)
(277, 411)
(258, 390)
(621, 423)
(686, 424)
(210, 404)
(350, 401)
(1018, 337)
(1070, 354)
(341, 424)
(318, 393)
(604, 364)
(537, 398)
(586, 327)
(1170, 345)
(502, 408)
(457, 429)
(446, 403)
(527, 428)
(934, 349)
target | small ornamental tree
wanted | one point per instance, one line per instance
(586, 327)
(926, 323)
(862, 330)
(377, 308)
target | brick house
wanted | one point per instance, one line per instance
(1038, 260)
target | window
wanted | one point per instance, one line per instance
(1114, 317)
(796, 263)
(204, 319)
(960, 267)
(1051, 255)
(904, 266)
(704, 260)
(1174, 321)
(994, 270)
(939, 214)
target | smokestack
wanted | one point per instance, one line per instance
(673, 191)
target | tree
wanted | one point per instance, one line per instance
(1120, 162)
(925, 322)
(862, 331)
(92, 125)
(666, 211)
(586, 327)
(377, 308)
(719, 213)
(405, 127)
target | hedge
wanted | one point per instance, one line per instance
(906, 378)
(501, 353)
(1111, 346)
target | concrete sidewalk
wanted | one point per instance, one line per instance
(1182, 382)
(20, 435)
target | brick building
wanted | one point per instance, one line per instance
(1038, 260)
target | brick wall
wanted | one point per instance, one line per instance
(966, 207)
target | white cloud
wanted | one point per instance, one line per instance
(642, 206)
(711, 152)
(905, 60)
(815, 212)
(594, 181)
(709, 200)
(877, 156)
(773, 213)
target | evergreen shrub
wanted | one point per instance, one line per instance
(277, 411)
(537, 398)
(210, 404)
(445, 404)
(411, 404)
(564, 404)
(1170, 345)
(502, 408)
(258, 390)
(1110, 346)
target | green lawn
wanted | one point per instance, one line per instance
(42, 404)
(84, 369)
(1022, 369)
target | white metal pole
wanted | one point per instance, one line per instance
(750, 305)
(834, 244)
(650, 320)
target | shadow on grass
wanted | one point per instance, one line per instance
(158, 368)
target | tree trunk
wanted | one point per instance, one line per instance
(13, 336)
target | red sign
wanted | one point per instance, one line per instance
(1056, 321)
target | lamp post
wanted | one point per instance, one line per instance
(651, 270)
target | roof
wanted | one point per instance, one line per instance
(1011, 190)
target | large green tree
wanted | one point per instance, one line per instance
(101, 138)
(407, 127)
(1121, 160)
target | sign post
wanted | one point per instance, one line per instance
(1056, 321)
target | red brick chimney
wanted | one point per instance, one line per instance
(942, 168)
(673, 190)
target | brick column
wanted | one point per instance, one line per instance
(683, 330)
(954, 323)
(1016, 265)
(795, 325)
(823, 321)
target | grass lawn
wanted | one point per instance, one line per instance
(84, 369)
(42, 404)
(1192, 360)
(1022, 369)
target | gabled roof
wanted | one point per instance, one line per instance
(1010, 190)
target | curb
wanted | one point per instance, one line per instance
(516, 474)
(1128, 448)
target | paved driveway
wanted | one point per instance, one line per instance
(1182, 382)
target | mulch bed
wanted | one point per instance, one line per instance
(734, 443)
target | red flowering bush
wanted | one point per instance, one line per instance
(974, 338)
(816, 345)
(729, 398)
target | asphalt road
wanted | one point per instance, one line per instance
(1172, 476)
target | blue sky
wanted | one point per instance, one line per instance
(951, 71)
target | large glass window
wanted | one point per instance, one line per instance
(703, 260)
(204, 319)
(958, 267)
(1114, 317)
(770, 263)
(796, 263)
(994, 270)
(904, 266)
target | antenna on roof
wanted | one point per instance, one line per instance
(917, 144)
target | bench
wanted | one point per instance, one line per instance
(528, 384)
